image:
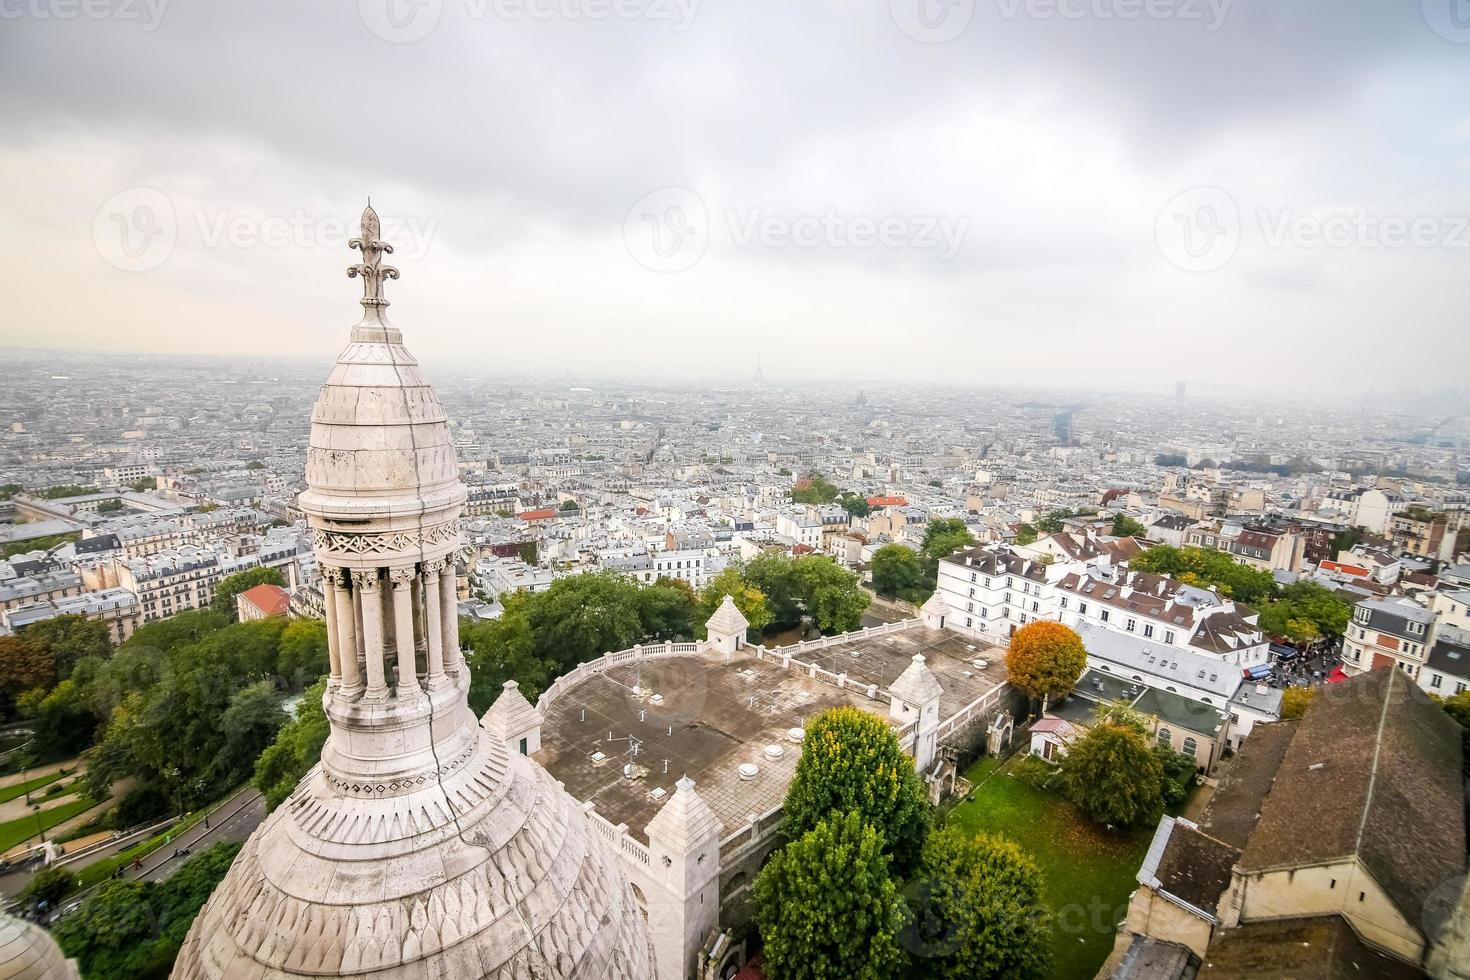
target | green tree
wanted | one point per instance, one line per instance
(830, 593)
(297, 747)
(773, 574)
(855, 505)
(1114, 776)
(826, 906)
(24, 664)
(232, 585)
(666, 609)
(1126, 527)
(504, 649)
(1295, 701)
(1306, 604)
(975, 911)
(48, 886)
(1045, 659)
(1051, 521)
(249, 725)
(70, 638)
(569, 505)
(303, 653)
(944, 536)
(130, 929)
(581, 617)
(896, 570)
(1025, 534)
(814, 490)
(749, 599)
(851, 760)
(62, 718)
(1179, 771)
(1459, 709)
(1249, 585)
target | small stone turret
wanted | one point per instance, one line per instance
(915, 696)
(934, 612)
(726, 628)
(684, 841)
(514, 721)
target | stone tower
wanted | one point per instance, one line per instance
(684, 902)
(421, 846)
(914, 696)
(725, 630)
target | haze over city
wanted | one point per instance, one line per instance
(659, 188)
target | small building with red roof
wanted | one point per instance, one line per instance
(262, 602)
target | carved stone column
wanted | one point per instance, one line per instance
(433, 624)
(330, 577)
(346, 615)
(408, 677)
(370, 598)
(449, 608)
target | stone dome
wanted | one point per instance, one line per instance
(27, 952)
(420, 846)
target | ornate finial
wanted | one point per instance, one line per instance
(371, 268)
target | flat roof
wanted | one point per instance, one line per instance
(722, 715)
(949, 655)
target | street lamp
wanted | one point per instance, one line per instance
(39, 829)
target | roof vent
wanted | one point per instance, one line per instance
(657, 699)
(795, 734)
(658, 793)
(774, 751)
(748, 771)
(598, 756)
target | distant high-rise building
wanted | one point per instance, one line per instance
(1179, 394)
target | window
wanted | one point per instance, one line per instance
(1008, 597)
(1332, 883)
(523, 747)
(1064, 602)
(1131, 625)
(1103, 615)
(972, 578)
(1168, 636)
(987, 581)
(1362, 895)
(1190, 745)
(1010, 582)
(1166, 737)
(1148, 631)
(1082, 609)
(1035, 606)
(1416, 628)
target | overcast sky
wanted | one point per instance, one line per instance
(1084, 192)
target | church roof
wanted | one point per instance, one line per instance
(727, 620)
(420, 846)
(27, 952)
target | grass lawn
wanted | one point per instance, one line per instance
(1089, 872)
(29, 786)
(13, 832)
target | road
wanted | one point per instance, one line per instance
(236, 819)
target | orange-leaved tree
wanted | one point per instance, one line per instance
(1045, 660)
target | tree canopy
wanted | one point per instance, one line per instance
(297, 747)
(1045, 659)
(1126, 527)
(815, 489)
(851, 760)
(1306, 611)
(1249, 585)
(811, 584)
(1114, 776)
(748, 598)
(826, 906)
(897, 572)
(975, 911)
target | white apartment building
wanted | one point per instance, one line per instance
(494, 576)
(118, 608)
(172, 582)
(800, 527)
(997, 591)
